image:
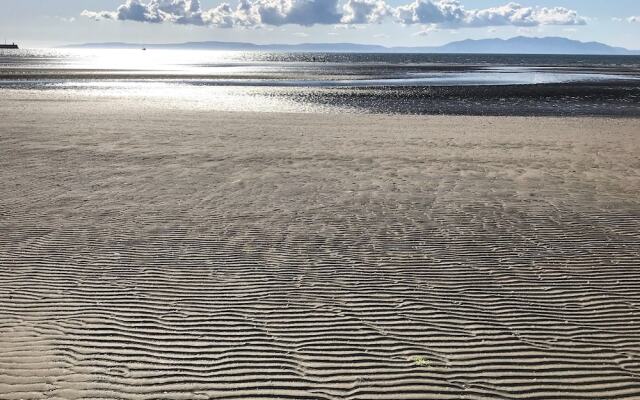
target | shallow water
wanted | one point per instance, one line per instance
(345, 82)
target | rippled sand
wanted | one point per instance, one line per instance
(150, 252)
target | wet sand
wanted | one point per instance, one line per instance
(151, 252)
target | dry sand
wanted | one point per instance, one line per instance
(152, 253)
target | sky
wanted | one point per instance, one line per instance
(47, 23)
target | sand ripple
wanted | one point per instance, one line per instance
(268, 257)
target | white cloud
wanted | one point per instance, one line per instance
(430, 12)
(297, 12)
(155, 11)
(249, 13)
(225, 16)
(98, 15)
(451, 13)
(246, 13)
(365, 11)
(555, 16)
(633, 19)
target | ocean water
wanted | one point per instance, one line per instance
(336, 82)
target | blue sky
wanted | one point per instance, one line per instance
(41, 23)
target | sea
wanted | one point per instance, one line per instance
(390, 83)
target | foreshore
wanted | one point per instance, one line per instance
(148, 251)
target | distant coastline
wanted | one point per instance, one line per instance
(516, 45)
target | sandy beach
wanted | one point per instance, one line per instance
(149, 252)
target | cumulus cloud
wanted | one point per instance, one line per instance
(430, 12)
(249, 13)
(226, 16)
(246, 13)
(155, 11)
(365, 11)
(299, 12)
(451, 13)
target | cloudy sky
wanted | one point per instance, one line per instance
(37, 23)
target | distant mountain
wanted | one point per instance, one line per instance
(242, 46)
(533, 45)
(516, 45)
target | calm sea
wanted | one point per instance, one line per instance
(342, 82)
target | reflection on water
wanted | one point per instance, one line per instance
(320, 82)
(297, 69)
(181, 96)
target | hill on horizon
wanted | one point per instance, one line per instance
(515, 45)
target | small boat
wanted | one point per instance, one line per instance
(9, 46)
(144, 49)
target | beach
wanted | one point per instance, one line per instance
(149, 251)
